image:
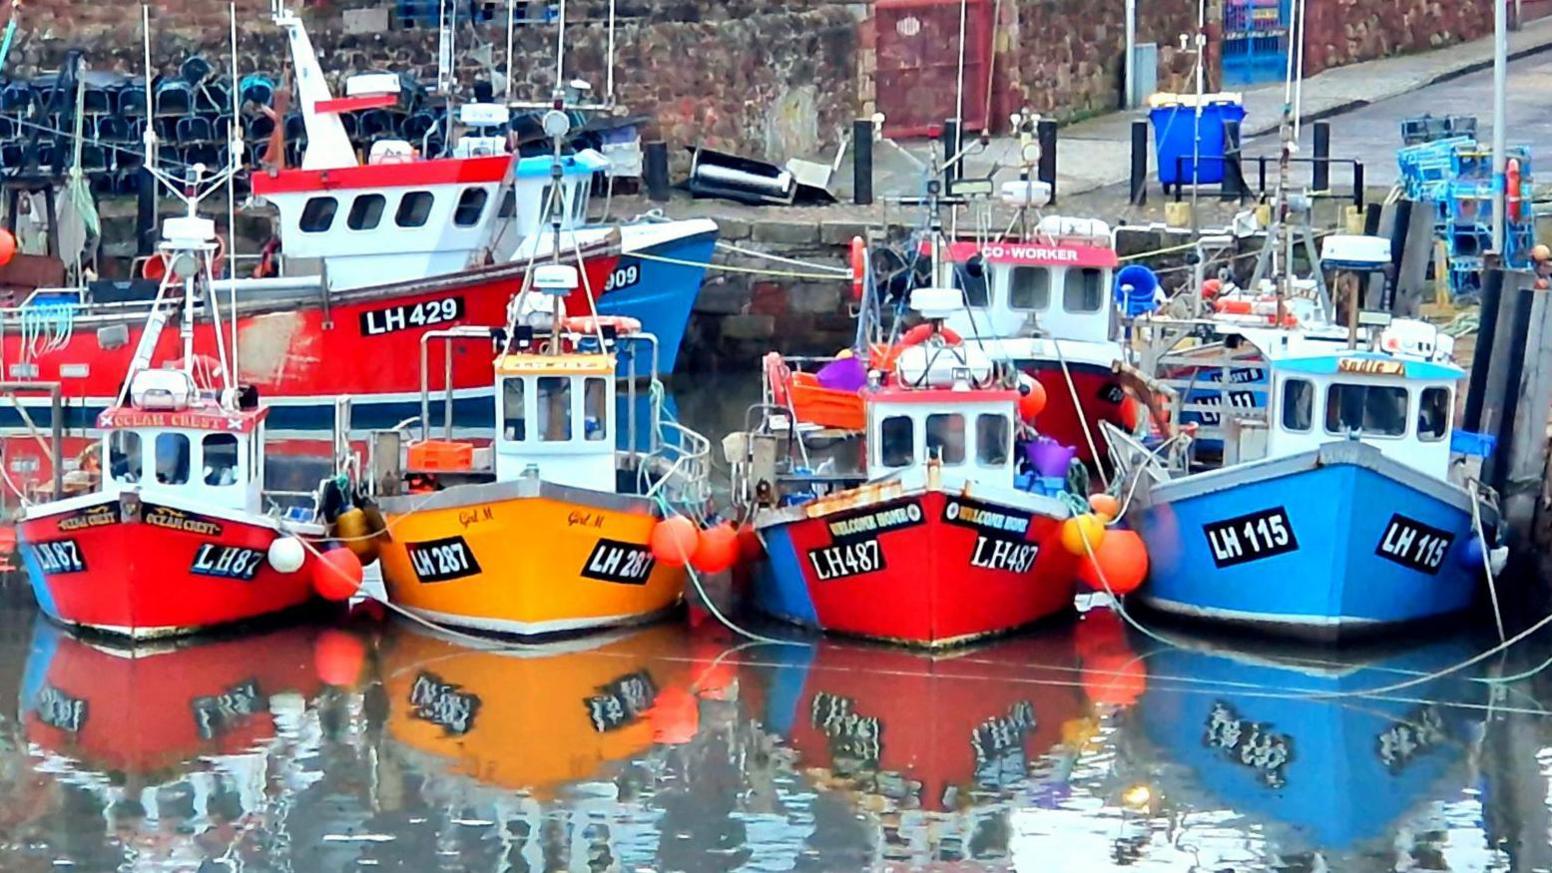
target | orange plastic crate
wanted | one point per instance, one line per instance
(441, 455)
(826, 407)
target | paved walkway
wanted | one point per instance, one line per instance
(1097, 153)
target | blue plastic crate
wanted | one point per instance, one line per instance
(1467, 443)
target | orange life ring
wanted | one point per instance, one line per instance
(918, 335)
(623, 324)
(859, 266)
(1512, 201)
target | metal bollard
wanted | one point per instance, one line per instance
(1358, 186)
(145, 213)
(1233, 185)
(1139, 162)
(655, 170)
(1046, 132)
(862, 161)
(951, 145)
(1321, 180)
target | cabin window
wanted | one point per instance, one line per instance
(1433, 414)
(1082, 290)
(897, 441)
(1373, 410)
(992, 437)
(172, 458)
(595, 413)
(124, 456)
(414, 209)
(946, 437)
(514, 421)
(366, 212)
(1029, 288)
(1298, 405)
(508, 207)
(554, 408)
(220, 453)
(970, 278)
(544, 202)
(471, 205)
(318, 214)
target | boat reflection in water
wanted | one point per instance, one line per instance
(581, 748)
(1275, 758)
(663, 748)
(919, 757)
(176, 744)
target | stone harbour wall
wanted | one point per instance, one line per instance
(1343, 32)
(1065, 58)
(766, 78)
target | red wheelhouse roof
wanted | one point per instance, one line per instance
(1036, 254)
(411, 174)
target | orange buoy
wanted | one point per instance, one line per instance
(1105, 505)
(1031, 401)
(338, 657)
(1122, 558)
(337, 574)
(1079, 528)
(716, 549)
(1114, 677)
(674, 540)
(7, 247)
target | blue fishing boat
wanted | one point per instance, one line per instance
(1331, 512)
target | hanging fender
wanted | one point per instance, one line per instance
(859, 266)
(1512, 200)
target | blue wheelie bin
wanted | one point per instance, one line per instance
(1176, 125)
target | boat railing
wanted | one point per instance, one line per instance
(11, 393)
(687, 454)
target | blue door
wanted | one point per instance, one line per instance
(1255, 41)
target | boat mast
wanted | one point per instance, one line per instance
(1282, 235)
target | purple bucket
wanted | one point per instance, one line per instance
(1050, 457)
(845, 374)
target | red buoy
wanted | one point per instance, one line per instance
(337, 574)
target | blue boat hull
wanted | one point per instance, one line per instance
(658, 286)
(1329, 549)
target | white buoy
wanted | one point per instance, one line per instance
(286, 554)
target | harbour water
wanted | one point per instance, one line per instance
(370, 743)
(378, 745)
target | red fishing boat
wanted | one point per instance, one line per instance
(1044, 302)
(175, 536)
(338, 303)
(933, 541)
